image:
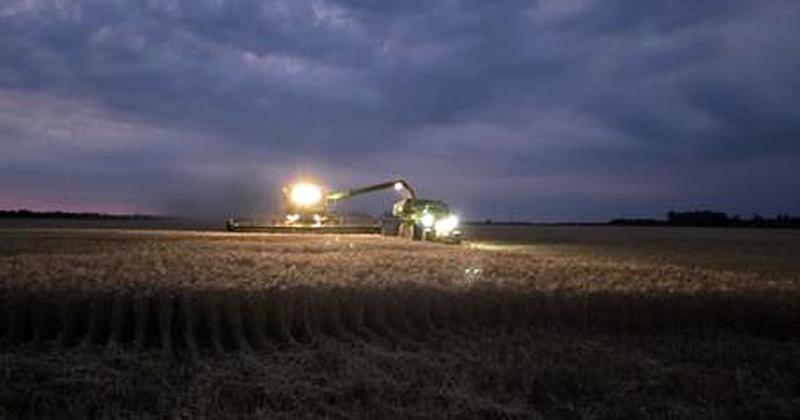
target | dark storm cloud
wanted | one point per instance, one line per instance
(581, 108)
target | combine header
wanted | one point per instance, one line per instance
(308, 210)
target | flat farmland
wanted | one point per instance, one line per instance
(521, 322)
(773, 252)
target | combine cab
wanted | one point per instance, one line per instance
(308, 210)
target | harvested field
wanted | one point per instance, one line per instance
(241, 312)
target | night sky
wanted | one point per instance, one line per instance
(539, 110)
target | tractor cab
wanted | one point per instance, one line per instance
(423, 219)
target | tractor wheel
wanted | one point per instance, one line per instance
(416, 233)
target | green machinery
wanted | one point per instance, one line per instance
(308, 209)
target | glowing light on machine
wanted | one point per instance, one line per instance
(446, 225)
(427, 220)
(305, 195)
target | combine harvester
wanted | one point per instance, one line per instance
(308, 210)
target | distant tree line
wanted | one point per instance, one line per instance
(697, 218)
(30, 214)
(708, 218)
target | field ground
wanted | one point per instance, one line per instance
(522, 322)
(775, 252)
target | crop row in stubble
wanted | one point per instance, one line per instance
(185, 291)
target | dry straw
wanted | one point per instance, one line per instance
(191, 292)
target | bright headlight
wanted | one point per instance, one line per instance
(305, 194)
(427, 220)
(446, 225)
